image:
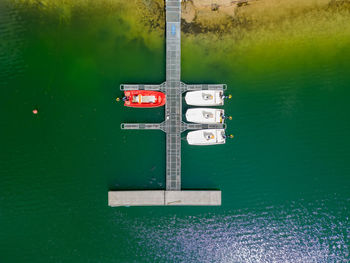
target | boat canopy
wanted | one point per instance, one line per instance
(205, 115)
(206, 137)
(205, 98)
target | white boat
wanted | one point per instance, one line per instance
(205, 98)
(206, 137)
(205, 115)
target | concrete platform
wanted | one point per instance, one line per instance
(135, 198)
(195, 198)
(164, 198)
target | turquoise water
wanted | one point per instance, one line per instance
(285, 178)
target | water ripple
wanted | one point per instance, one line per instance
(12, 42)
(295, 232)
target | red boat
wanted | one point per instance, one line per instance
(144, 98)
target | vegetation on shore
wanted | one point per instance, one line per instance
(256, 17)
(261, 28)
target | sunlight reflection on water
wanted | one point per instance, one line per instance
(296, 232)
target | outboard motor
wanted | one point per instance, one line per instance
(227, 97)
(226, 117)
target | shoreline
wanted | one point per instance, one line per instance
(253, 25)
(224, 16)
(198, 16)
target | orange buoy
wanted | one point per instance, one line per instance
(35, 111)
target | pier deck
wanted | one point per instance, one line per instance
(163, 198)
(173, 126)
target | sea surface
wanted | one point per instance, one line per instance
(285, 177)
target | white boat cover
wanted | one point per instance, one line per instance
(205, 115)
(144, 99)
(206, 137)
(205, 98)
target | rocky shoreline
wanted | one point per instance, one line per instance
(207, 9)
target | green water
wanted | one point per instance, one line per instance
(285, 178)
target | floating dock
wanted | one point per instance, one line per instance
(161, 198)
(173, 126)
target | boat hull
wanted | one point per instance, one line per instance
(205, 98)
(206, 137)
(205, 115)
(144, 98)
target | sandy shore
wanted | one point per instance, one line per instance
(237, 18)
(205, 10)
